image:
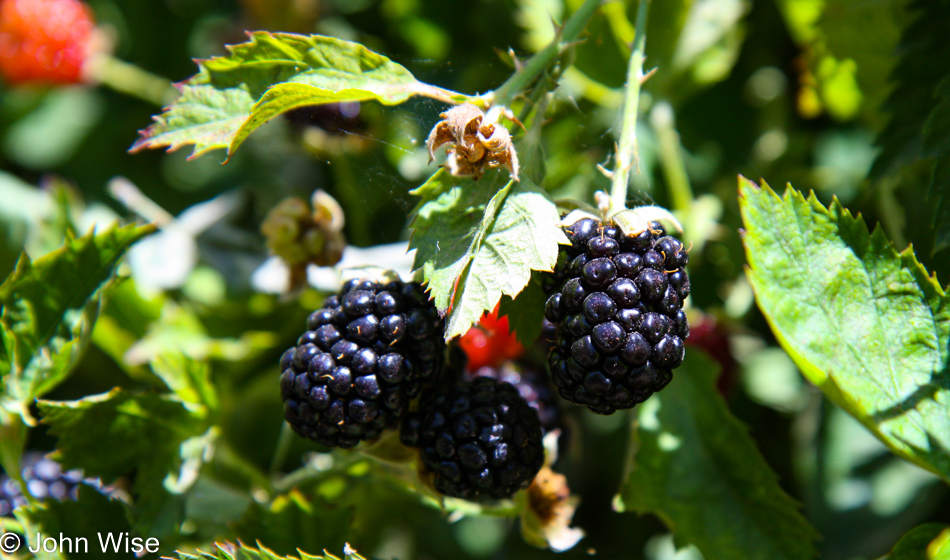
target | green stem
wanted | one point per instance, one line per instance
(519, 81)
(131, 80)
(671, 159)
(284, 441)
(627, 151)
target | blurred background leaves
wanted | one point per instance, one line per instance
(846, 99)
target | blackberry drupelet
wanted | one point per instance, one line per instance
(477, 440)
(365, 354)
(617, 302)
(44, 479)
(533, 387)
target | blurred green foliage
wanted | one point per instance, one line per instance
(186, 345)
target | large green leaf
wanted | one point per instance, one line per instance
(118, 433)
(697, 468)
(239, 551)
(916, 543)
(49, 307)
(273, 73)
(865, 324)
(476, 242)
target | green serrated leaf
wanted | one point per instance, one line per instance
(914, 544)
(697, 468)
(865, 324)
(85, 524)
(273, 73)
(205, 116)
(117, 433)
(293, 522)
(240, 551)
(49, 307)
(475, 243)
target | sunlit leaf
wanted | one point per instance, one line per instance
(696, 468)
(865, 324)
(273, 73)
(475, 243)
(49, 307)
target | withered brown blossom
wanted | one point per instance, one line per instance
(475, 140)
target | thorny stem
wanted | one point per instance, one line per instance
(627, 151)
(519, 81)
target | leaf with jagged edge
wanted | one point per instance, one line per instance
(476, 241)
(240, 551)
(49, 307)
(119, 432)
(271, 74)
(697, 468)
(866, 325)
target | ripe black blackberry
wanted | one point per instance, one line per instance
(533, 387)
(618, 311)
(44, 479)
(365, 354)
(477, 440)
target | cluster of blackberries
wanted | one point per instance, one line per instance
(617, 328)
(617, 303)
(365, 355)
(44, 479)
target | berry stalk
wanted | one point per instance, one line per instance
(627, 150)
(131, 80)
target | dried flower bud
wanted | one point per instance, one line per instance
(475, 141)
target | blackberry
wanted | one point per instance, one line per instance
(617, 303)
(533, 387)
(44, 479)
(365, 354)
(478, 440)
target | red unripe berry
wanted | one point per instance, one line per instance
(490, 343)
(45, 41)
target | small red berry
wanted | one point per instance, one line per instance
(45, 41)
(490, 343)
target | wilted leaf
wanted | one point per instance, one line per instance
(697, 468)
(475, 243)
(49, 307)
(865, 324)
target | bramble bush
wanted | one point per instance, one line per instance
(323, 184)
